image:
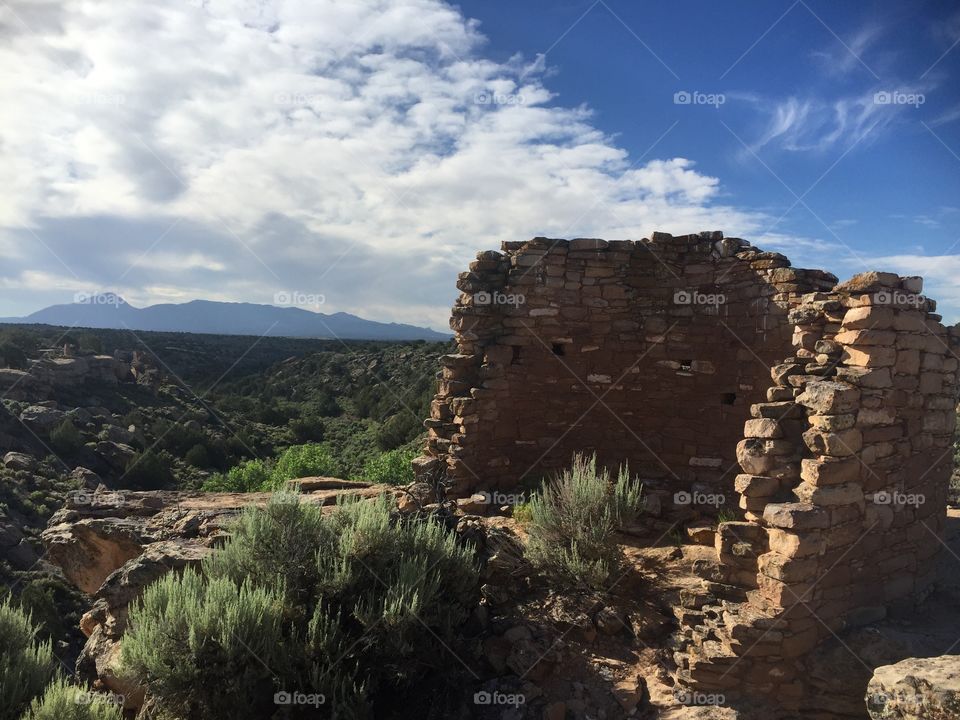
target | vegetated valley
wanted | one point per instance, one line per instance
(200, 412)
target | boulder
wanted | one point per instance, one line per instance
(915, 689)
(19, 461)
(42, 419)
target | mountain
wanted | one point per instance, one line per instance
(206, 316)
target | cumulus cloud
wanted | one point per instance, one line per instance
(231, 149)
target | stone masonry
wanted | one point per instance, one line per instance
(846, 468)
(688, 357)
(649, 352)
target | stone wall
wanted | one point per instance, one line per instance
(844, 487)
(650, 352)
(713, 367)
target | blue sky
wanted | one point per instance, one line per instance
(362, 152)
(884, 182)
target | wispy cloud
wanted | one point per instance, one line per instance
(842, 58)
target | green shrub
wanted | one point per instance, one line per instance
(573, 521)
(65, 438)
(274, 547)
(248, 476)
(198, 456)
(13, 357)
(62, 701)
(399, 429)
(90, 342)
(392, 468)
(26, 665)
(345, 604)
(149, 470)
(206, 648)
(309, 428)
(522, 513)
(302, 461)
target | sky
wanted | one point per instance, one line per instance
(354, 155)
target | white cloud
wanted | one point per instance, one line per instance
(363, 150)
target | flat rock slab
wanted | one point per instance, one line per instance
(915, 688)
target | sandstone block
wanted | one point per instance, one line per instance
(790, 544)
(835, 444)
(832, 423)
(828, 471)
(870, 356)
(866, 337)
(908, 362)
(869, 317)
(787, 569)
(795, 516)
(756, 485)
(762, 428)
(869, 281)
(829, 495)
(828, 397)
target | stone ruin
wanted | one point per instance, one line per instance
(716, 370)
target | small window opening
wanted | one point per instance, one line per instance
(728, 398)
(558, 349)
(516, 354)
(686, 365)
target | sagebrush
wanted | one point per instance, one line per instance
(344, 605)
(26, 663)
(573, 521)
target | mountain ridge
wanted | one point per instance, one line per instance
(111, 311)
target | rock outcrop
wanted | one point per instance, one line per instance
(916, 689)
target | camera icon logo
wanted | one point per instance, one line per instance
(482, 698)
(882, 98)
(682, 297)
(282, 698)
(482, 298)
(682, 498)
(81, 497)
(882, 498)
(682, 98)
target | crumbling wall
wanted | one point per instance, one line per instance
(649, 352)
(846, 468)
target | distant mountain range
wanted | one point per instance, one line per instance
(108, 310)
